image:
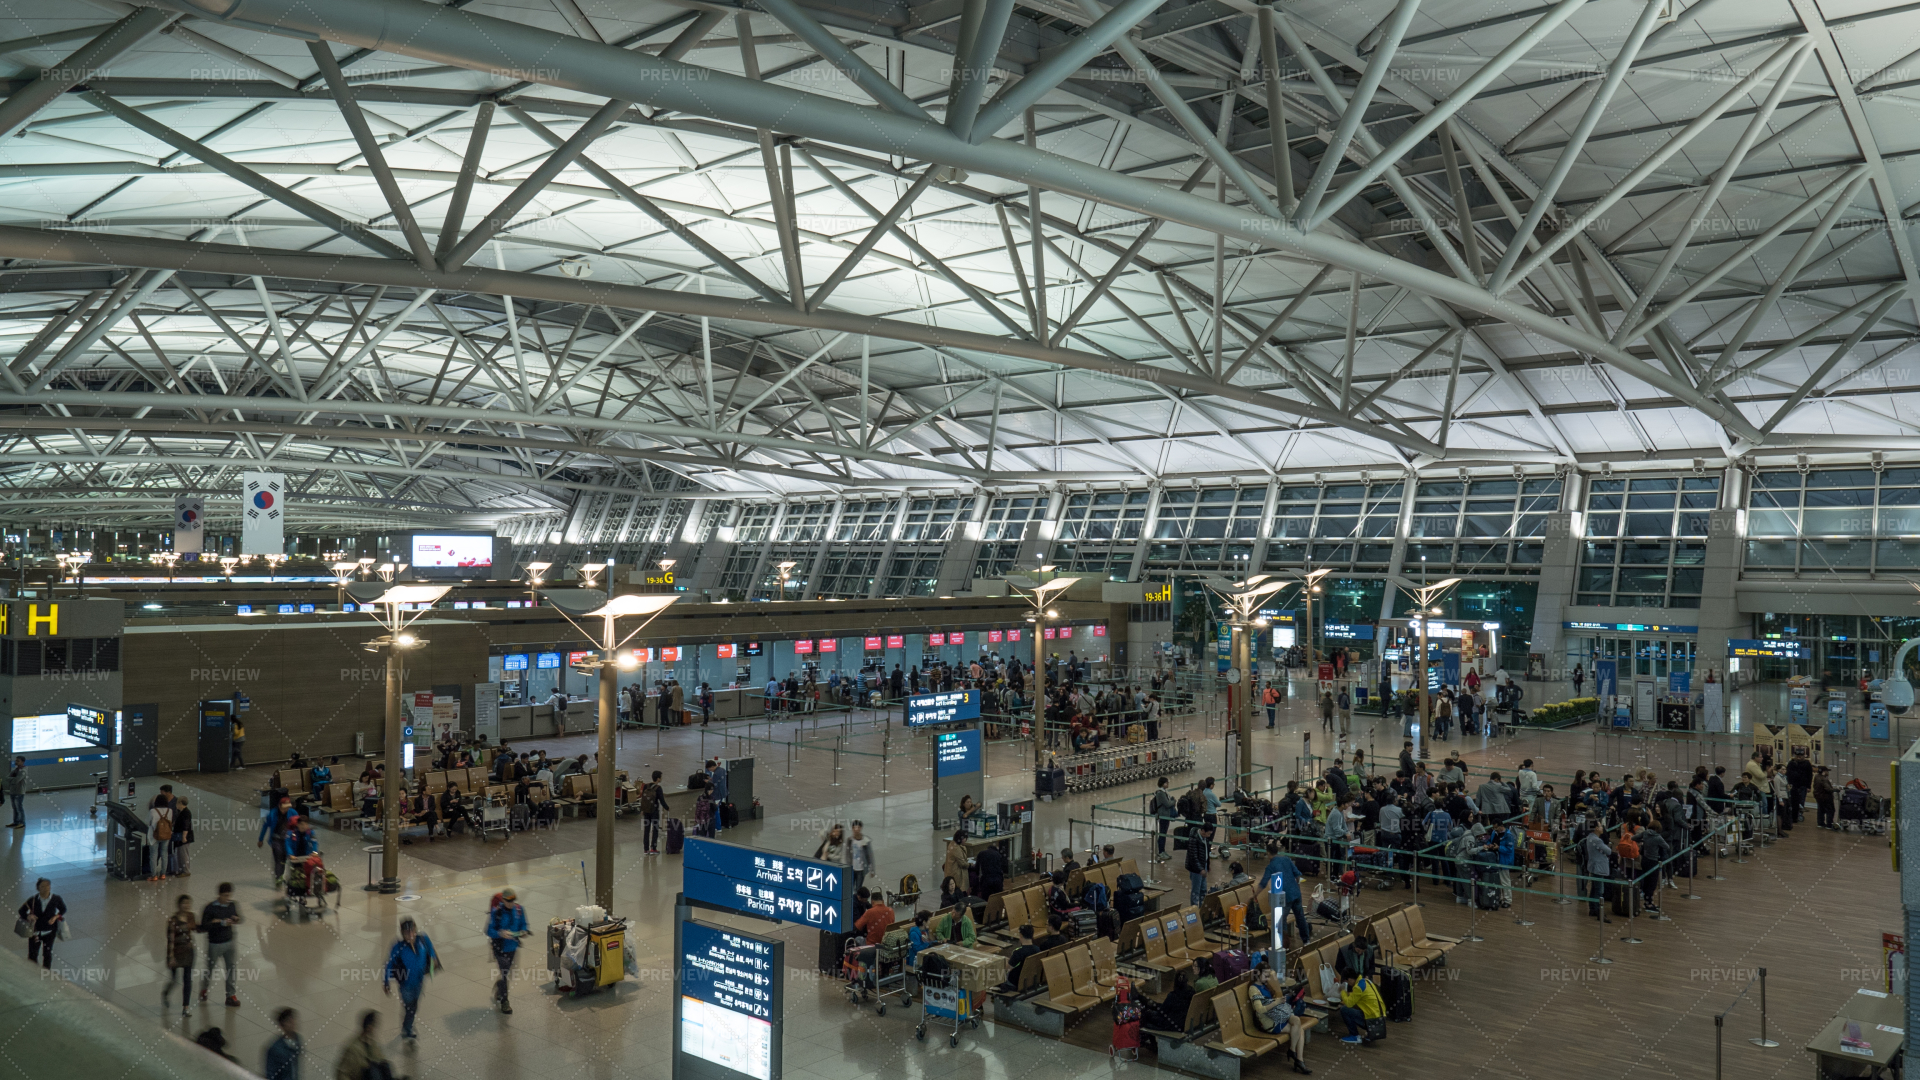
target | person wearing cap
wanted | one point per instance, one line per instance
(275, 825)
(506, 925)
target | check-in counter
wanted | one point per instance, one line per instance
(536, 721)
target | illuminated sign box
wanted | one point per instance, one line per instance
(803, 647)
(936, 639)
(670, 654)
(875, 644)
(1778, 650)
(896, 641)
(828, 644)
(726, 652)
(514, 662)
(946, 708)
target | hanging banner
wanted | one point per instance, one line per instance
(1713, 708)
(189, 524)
(262, 514)
(486, 712)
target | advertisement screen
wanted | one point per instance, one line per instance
(448, 552)
(669, 654)
(725, 652)
(45, 735)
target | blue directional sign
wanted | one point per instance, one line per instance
(765, 883)
(728, 1006)
(951, 707)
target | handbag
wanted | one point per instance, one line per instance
(1329, 984)
(64, 933)
(21, 928)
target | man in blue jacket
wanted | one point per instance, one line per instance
(506, 925)
(1499, 844)
(1280, 867)
(407, 964)
(717, 788)
(274, 826)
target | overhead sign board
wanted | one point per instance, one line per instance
(1780, 650)
(1346, 631)
(90, 724)
(765, 883)
(924, 710)
(1631, 628)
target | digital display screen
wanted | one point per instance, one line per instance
(1283, 638)
(896, 641)
(754, 648)
(1013, 635)
(828, 644)
(547, 660)
(956, 639)
(725, 652)
(729, 998)
(669, 654)
(936, 639)
(956, 753)
(994, 637)
(452, 552)
(46, 734)
(874, 644)
(803, 647)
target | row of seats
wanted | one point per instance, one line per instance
(1168, 940)
(1240, 1033)
(1214, 905)
(995, 911)
(1078, 979)
(1400, 932)
(1106, 873)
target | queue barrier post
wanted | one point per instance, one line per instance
(1520, 910)
(836, 760)
(1601, 956)
(1719, 1051)
(1763, 1041)
(886, 743)
(1693, 861)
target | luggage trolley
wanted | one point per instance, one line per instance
(306, 886)
(942, 998)
(1861, 809)
(877, 972)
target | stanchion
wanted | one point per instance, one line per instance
(1520, 909)
(1559, 897)
(1719, 1051)
(1763, 1041)
(1693, 860)
(1633, 913)
(886, 743)
(836, 760)
(1601, 956)
(789, 758)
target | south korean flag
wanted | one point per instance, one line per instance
(263, 514)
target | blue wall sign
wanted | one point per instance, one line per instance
(765, 883)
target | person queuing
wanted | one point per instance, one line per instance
(407, 964)
(653, 800)
(43, 912)
(506, 926)
(17, 792)
(217, 921)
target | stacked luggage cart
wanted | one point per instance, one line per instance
(1125, 763)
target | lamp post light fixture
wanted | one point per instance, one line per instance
(786, 573)
(342, 573)
(590, 573)
(1309, 584)
(536, 576)
(365, 564)
(1038, 596)
(1425, 597)
(273, 563)
(630, 605)
(227, 563)
(167, 559)
(395, 609)
(1241, 603)
(387, 571)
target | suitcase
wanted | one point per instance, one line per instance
(1486, 896)
(1085, 922)
(676, 836)
(729, 815)
(833, 945)
(1228, 963)
(1396, 990)
(1626, 899)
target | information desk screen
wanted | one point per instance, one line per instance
(950, 707)
(729, 1003)
(451, 551)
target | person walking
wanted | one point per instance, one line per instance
(1326, 710)
(1346, 714)
(179, 930)
(237, 757)
(557, 710)
(217, 921)
(653, 800)
(1281, 867)
(283, 1053)
(859, 855)
(182, 839)
(274, 827)
(506, 925)
(1271, 697)
(43, 913)
(1579, 676)
(407, 964)
(362, 1058)
(17, 792)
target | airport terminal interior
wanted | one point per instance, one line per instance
(958, 539)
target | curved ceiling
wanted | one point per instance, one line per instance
(467, 261)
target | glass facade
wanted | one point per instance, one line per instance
(911, 575)
(867, 522)
(1196, 530)
(1855, 522)
(805, 522)
(848, 577)
(930, 520)
(1646, 541)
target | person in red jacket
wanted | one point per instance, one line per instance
(875, 921)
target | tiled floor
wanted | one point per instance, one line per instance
(1524, 1002)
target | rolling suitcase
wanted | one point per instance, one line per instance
(833, 945)
(1396, 990)
(676, 836)
(729, 816)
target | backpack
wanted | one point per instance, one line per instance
(1162, 803)
(1094, 896)
(1192, 806)
(163, 828)
(909, 885)
(649, 799)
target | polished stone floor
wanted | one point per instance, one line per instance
(1523, 1002)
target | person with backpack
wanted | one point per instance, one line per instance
(506, 925)
(1326, 710)
(1164, 809)
(160, 832)
(1271, 698)
(1336, 778)
(653, 800)
(1361, 1007)
(1282, 868)
(1346, 714)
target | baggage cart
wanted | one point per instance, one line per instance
(943, 1000)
